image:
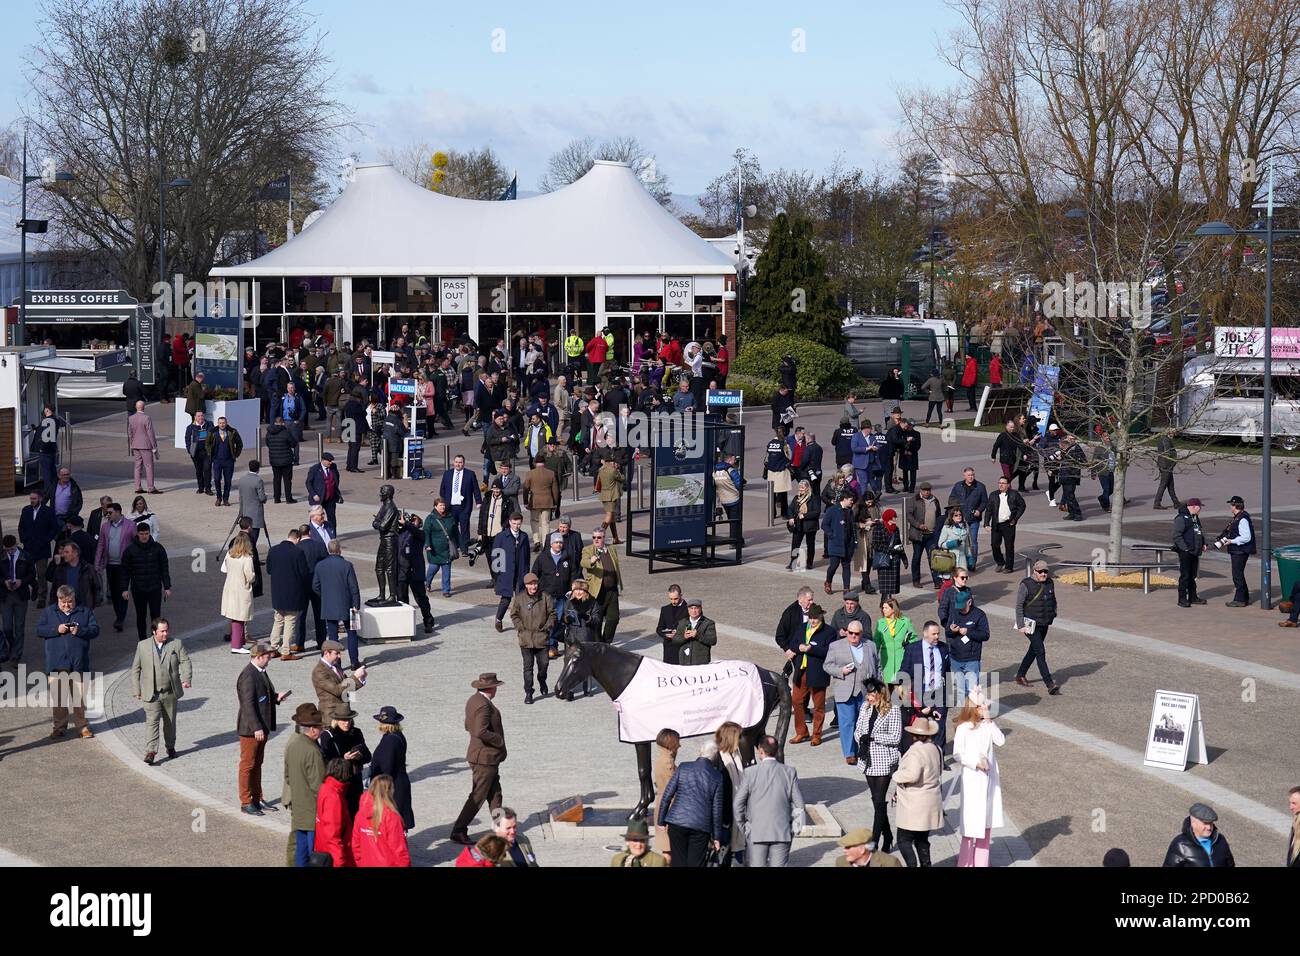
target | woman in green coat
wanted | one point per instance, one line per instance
(893, 630)
(609, 488)
(441, 545)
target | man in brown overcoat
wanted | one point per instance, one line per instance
(487, 750)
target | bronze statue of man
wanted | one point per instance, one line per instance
(388, 522)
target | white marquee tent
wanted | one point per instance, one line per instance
(605, 228)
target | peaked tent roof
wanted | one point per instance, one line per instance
(383, 224)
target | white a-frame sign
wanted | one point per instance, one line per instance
(1176, 735)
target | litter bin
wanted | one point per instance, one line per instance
(1288, 568)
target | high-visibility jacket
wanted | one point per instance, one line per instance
(573, 346)
(609, 340)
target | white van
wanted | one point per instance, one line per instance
(945, 330)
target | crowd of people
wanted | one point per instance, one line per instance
(538, 406)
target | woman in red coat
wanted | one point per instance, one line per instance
(333, 818)
(968, 377)
(489, 851)
(377, 835)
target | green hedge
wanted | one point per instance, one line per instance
(758, 391)
(822, 373)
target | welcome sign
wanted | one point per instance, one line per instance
(693, 700)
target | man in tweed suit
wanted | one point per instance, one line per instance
(160, 675)
(487, 751)
(768, 806)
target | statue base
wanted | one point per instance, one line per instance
(395, 623)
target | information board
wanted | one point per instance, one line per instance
(682, 494)
(1176, 734)
(219, 343)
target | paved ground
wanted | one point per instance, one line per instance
(1073, 777)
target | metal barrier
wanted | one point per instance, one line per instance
(64, 440)
(577, 475)
(320, 447)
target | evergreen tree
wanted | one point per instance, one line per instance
(791, 292)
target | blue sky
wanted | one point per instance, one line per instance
(691, 80)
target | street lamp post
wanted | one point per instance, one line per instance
(163, 186)
(25, 226)
(1268, 234)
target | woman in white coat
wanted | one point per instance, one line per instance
(237, 595)
(917, 797)
(981, 789)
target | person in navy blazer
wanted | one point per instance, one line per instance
(313, 549)
(809, 679)
(286, 563)
(911, 671)
(470, 494)
(511, 551)
(316, 490)
(335, 582)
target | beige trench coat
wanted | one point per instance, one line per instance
(920, 802)
(237, 595)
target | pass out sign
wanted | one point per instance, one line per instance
(453, 296)
(679, 294)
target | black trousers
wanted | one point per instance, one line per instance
(970, 396)
(782, 503)
(931, 408)
(689, 847)
(282, 481)
(414, 587)
(798, 540)
(1188, 567)
(845, 566)
(909, 478)
(1167, 484)
(203, 470)
(1242, 593)
(1068, 489)
(486, 786)
(116, 585)
(148, 604)
(1037, 652)
(503, 606)
(1002, 537)
(534, 656)
(879, 787)
(913, 844)
(354, 455)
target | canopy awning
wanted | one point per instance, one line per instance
(383, 224)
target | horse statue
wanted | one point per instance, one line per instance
(614, 669)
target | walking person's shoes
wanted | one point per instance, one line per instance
(1229, 604)
(239, 650)
(251, 810)
(798, 738)
(171, 753)
(1287, 623)
(826, 586)
(528, 697)
(291, 656)
(148, 758)
(461, 838)
(428, 626)
(1158, 508)
(154, 491)
(1199, 601)
(499, 627)
(266, 808)
(290, 501)
(851, 761)
(1022, 681)
(87, 733)
(139, 491)
(542, 686)
(1054, 689)
(815, 742)
(56, 733)
(552, 654)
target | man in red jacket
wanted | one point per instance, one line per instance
(597, 349)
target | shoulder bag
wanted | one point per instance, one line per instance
(453, 550)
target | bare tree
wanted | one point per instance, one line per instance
(129, 94)
(11, 151)
(575, 160)
(1073, 127)
(470, 174)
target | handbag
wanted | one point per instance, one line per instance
(881, 561)
(943, 561)
(451, 545)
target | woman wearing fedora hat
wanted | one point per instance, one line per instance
(918, 801)
(638, 852)
(344, 740)
(390, 761)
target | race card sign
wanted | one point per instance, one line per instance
(1176, 734)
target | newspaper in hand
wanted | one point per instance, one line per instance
(1029, 625)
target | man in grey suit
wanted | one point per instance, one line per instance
(768, 807)
(252, 497)
(848, 663)
(160, 675)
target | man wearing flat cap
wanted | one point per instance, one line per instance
(331, 683)
(696, 635)
(858, 851)
(555, 569)
(1189, 545)
(487, 751)
(1200, 843)
(304, 770)
(533, 614)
